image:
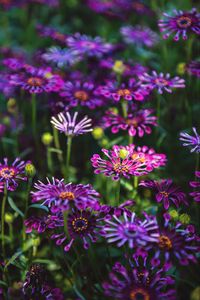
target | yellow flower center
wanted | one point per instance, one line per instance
(139, 294)
(184, 22)
(81, 95)
(80, 224)
(67, 195)
(7, 173)
(164, 242)
(165, 194)
(35, 81)
(123, 92)
(161, 82)
(119, 168)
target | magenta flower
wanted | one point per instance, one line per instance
(191, 141)
(161, 82)
(180, 24)
(136, 123)
(43, 223)
(196, 184)
(193, 68)
(68, 124)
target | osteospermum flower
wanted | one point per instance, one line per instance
(43, 223)
(59, 195)
(136, 123)
(85, 45)
(140, 280)
(10, 174)
(161, 82)
(166, 192)
(196, 184)
(139, 35)
(191, 141)
(180, 24)
(61, 57)
(68, 124)
(193, 68)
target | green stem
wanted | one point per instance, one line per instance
(118, 192)
(3, 220)
(49, 160)
(130, 139)
(33, 102)
(158, 108)
(124, 108)
(68, 155)
(26, 206)
(57, 143)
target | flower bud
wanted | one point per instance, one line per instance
(119, 67)
(123, 153)
(9, 218)
(180, 68)
(47, 138)
(30, 170)
(184, 218)
(104, 142)
(98, 133)
(11, 105)
(173, 214)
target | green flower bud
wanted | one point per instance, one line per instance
(119, 67)
(30, 170)
(104, 142)
(123, 153)
(36, 241)
(184, 219)
(98, 133)
(174, 214)
(195, 294)
(11, 105)
(47, 138)
(9, 218)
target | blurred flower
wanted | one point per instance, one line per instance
(43, 223)
(191, 141)
(61, 57)
(139, 35)
(67, 124)
(14, 64)
(166, 192)
(196, 184)
(193, 68)
(136, 123)
(161, 82)
(46, 31)
(180, 24)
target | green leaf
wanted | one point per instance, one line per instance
(14, 207)
(39, 206)
(78, 293)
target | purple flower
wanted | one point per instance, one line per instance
(166, 192)
(161, 82)
(59, 195)
(81, 92)
(140, 280)
(10, 174)
(136, 123)
(43, 223)
(139, 35)
(85, 45)
(196, 184)
(131, 230)
(180, 24)
(68, 124)
(14, 64)
(193, 68)
(191, 141)
(61, 57)
(46, 31)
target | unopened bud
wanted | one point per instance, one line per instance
(9, 218)
(119, 67)
(173, 214)
(184, 218)
(47, 138)
(123, 153)
(30, 170)
(98, 133)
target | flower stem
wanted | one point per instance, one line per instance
(124, 108)
(26, 206)
(68, 155)
(3, 220)
(33, 102)
(57, 144)
(49, 160)
(118, 192)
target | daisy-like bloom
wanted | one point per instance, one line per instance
(196, 184)
(119, 164)
(166, 192)
(131, 230)
(193, 68)
(14, 64)
(161, 82)
(140, 281)
(58, 195)
(136, 123)
(61, 57)
(81, 93)
(81, 224)
(139, 35)
(68, 124)
(85, 45)
(130, 91)
(10, 174)
(180, 24)
(191, 141)
(37, 81)
(46, 31)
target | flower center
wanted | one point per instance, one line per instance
(161, 82)
(35, 81)
(164, 242)
(133, 122)
(81, 95)
(137, 157)
(80, 224)
(119, 168)
(123, 92)
(184, 22)
(7, 173)
(67, 195)
(139, 294)
(165, 194)
(89, 45)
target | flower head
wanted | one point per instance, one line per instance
(161, 82)
(68, 124)
(180, 24)
(191, 141)
(193, 68)
(43, 223)
(196, 184)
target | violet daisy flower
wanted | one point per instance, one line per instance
(139, 35)
(166, 192)
(180, 24)
(81, 92)
(85, 45)
(140, 280)
(68, 124)
(196, 184)
(50, 32)
(59, 195)
(136, 123)
(191, 141)
(14, 64)
(161, 82)
(61, 57)
(10, 174)
(43, 223)
(193, 68)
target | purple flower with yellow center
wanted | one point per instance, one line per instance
(10, 174)
(127, 91)
(193, 68)
(118, 164)
(81, 224)
(37, 81)
(180, 24)
(161, 82)
(58, 195)
(166, 192)
(81, 93)
(191, 141)
(196, 184)
(69, 125)
(139, 35)
(86, 45)
(139, 281)
(138, 122)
